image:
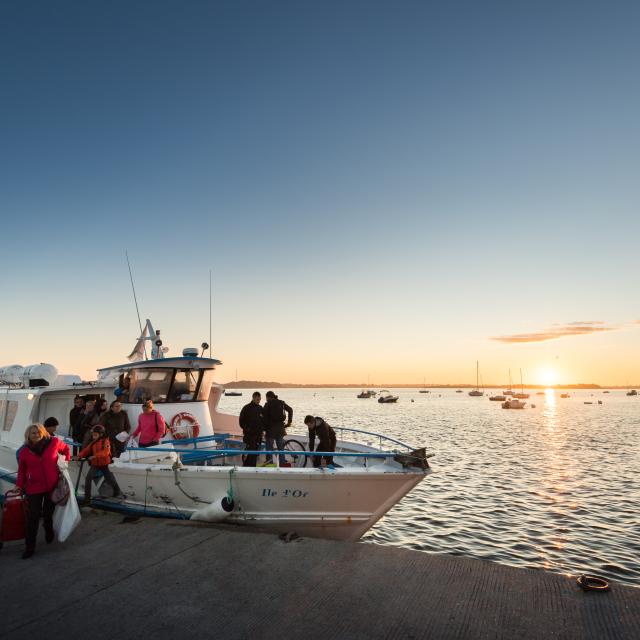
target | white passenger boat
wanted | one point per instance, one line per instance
(196, 472)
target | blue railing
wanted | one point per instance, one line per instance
(219, 453)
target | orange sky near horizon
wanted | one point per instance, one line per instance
(606, 359)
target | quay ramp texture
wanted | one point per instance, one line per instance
(168, 579)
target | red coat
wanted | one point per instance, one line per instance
(39, 473)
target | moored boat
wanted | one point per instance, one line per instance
(476, 392)
(386, 397)
(196, 472)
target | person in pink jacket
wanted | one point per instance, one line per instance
(37, 477)
(151, 426)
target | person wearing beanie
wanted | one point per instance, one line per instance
(51, 424)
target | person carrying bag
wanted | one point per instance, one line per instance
(38, 476)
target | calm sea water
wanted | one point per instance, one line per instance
(555, 487)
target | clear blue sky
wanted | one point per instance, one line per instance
(379, 188)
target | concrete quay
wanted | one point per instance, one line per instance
(169, 579)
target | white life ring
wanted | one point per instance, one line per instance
(184, 425)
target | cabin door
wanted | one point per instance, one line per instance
(58, 408)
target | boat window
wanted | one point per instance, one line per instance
(185, 384)
(205, 384)
(149, 384)
(8, 411)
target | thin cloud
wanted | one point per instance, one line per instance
(557, 331)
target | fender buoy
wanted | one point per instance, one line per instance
(592, 583)
(184, 425)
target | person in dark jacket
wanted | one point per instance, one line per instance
(275, 428)
(102, 406)
(75, 417)
(318, 428)
(115, 421)
(89, 420)
(252, 425)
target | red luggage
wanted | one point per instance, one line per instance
(14, 521)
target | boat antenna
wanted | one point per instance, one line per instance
(135, 299)
(210, 295)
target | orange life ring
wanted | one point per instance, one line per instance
(184, 425)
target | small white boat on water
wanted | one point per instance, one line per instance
(196, 472)
(385, 396)
(514, 403)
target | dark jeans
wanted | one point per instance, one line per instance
(324, 445)
(252, 442)
(270, 444)
(109, 478)
(38, 503)
(153, 443)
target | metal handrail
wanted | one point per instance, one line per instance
(377, 435)
(242, 452)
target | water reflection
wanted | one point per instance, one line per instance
(525, 488)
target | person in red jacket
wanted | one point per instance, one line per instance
(37, 476)
(151, 426)
(98, 452)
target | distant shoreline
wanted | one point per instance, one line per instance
(260, 384)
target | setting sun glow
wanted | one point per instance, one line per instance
(548, 377)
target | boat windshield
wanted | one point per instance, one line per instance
(170, 385)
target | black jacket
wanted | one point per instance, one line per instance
(251, 420)
(325, 434)
(75, 415)
(273, 413)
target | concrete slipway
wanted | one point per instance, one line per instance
(169, 579)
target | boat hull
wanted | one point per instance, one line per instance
(340, 505)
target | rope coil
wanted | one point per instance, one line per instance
(592, 583)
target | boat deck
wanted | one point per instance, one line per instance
(174, 580)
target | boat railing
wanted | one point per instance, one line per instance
(187, 455)
(204, 453)
(381, 438)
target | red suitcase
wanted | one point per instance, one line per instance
(14, 525)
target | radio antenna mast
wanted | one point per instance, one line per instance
(135, 299)
(210, 296)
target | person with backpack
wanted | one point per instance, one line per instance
(274, 417)
(151, 426)
(98, 452)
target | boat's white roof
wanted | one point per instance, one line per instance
(170, 363)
